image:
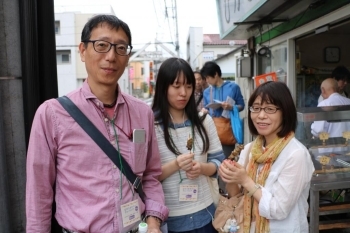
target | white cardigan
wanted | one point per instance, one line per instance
(171, 184)
(286, 190)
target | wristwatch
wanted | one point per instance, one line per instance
(256, 187)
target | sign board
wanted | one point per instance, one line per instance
(232, 11)
(265, 78)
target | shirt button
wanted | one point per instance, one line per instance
(106, 119)
(117, 190)
(114, 166)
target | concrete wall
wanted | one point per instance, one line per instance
(12, 137)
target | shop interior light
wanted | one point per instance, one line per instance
(321, 29)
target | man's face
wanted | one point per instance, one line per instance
(198, 78)
(324, 92)
(104, 68)
(342, 84)
(212, 80)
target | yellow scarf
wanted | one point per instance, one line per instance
(267, 158)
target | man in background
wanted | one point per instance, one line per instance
(341, 74)
(201, 85)
(331, 96)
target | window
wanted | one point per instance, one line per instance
(57, 27)
(63, 56)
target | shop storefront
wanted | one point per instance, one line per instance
(301, 42)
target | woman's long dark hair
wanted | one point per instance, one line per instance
(167, 74)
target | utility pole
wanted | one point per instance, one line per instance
(177, 47)
(174, 24)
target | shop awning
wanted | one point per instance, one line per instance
(241, 19)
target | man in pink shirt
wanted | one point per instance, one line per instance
(64, 164)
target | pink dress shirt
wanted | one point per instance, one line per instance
(89, 189)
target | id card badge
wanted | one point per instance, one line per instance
(188, 193)
(139, 136)
(130, 213)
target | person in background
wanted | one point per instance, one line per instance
(189, 147)
(220, 90)
(331, 97)
(275, 169)
(201, 85)
(64, 164)
(342, 75)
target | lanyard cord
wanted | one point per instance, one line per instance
(120, 161)
(192, 129)
(129, 135)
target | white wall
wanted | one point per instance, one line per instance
(65, 40)
(228, 65)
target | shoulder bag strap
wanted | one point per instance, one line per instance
(102, 142)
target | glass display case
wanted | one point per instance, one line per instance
(330, 183)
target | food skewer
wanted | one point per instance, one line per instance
(189, 143)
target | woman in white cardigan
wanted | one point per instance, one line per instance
(276, 179)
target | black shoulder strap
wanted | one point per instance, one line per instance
(102, 142)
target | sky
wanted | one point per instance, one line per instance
(147, 21)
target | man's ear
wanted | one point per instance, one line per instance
(82, 50)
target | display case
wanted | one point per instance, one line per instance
(331, 158)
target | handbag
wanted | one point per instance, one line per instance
(229, 213)
(237, 125)
(224, 129)
(102, 142)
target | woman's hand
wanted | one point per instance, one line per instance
(233, 172)
(184, 161)
(195, 171)
(204, 110)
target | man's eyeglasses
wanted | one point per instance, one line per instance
(269, 110)
(102, 46)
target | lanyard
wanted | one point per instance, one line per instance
(120, 160)
(192, 131)
(130, 133)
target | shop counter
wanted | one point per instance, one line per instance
(330, 184)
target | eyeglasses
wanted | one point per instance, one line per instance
(102, 46)
(268, 110)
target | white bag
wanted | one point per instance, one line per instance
(213, 182)
(214, 189)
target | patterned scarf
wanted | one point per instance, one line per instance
(267, 158)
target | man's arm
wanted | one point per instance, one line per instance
(238, 97)
(41, 173)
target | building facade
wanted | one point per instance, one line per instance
(209, 47)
